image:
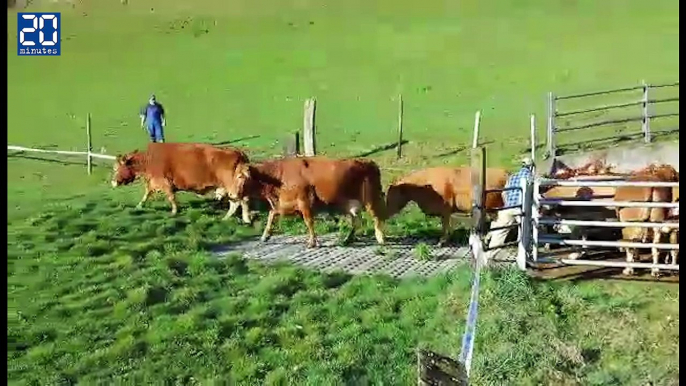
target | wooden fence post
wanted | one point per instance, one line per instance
(309, 128)
(477, 123)
(291, 147)
(645, 113)
(89, 145)
(400, 126)
(532, 125)
(478, 177)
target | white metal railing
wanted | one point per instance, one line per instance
(65, 152)
(533, 220)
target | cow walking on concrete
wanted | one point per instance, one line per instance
(656, 173)
(192, 167)
(442, 191)
(307, 185)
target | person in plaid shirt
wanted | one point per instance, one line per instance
(513, 201)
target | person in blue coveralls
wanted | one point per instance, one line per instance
(513, 201)
(152, 119)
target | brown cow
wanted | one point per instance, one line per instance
(441, 191)
(311, 184)
(580, 193)
(657, 173)
(193, 167)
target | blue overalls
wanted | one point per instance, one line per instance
(153, 121)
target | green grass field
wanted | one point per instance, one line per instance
(99, 292)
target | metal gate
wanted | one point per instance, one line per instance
(535, 220)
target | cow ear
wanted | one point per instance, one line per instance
(127, 158)
(119, 159)
(246, 172)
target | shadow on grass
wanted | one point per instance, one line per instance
(380, 149)
(457, 150)
(231, 141)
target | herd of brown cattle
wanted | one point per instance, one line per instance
(654, 173)
(308, 185)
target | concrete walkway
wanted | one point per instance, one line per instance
(398, 258)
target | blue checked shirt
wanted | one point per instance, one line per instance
(514, 197)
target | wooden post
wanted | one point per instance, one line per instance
(532, 125)
(478, 177)
(645, 114)
(89, 145)
(309, 128)
(400, 126)
(477, 123)
(291, 146)
(482, 187)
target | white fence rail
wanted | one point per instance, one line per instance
(81, 153)
(89, 146)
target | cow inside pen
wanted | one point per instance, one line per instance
(594, 170)
(606, 185)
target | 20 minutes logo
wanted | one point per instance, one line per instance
(38, 34)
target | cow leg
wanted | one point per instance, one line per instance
(233, 207)
(268, 227)
(674, 239)
(172, 199)
(629, 259)
(375, 212)
(309, 223)
(146, 195)
(354, 207)
(378, 232)
(245, 211)
(655, 272)
(354, 224)
(445, 225)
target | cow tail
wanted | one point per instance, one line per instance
(372, 192)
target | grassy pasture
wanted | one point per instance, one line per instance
(98, 291)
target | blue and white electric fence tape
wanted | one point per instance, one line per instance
(472, 313)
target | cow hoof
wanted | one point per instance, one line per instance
(348, 239)
(312, 244)
(139, 206)
(264, 239)
(655, 272)
(441, 243)
(628, 271)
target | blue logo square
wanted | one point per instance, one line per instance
(38, 34)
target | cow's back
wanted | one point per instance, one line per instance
(454, 185)
(332, 180)
(191, 166)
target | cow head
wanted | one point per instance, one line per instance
(236, 191)
(124, 170)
